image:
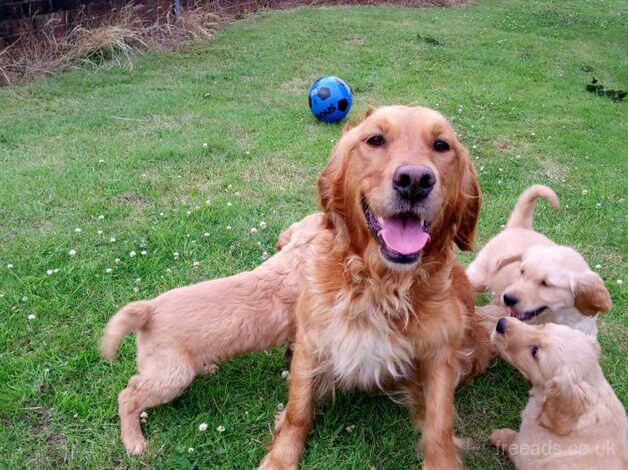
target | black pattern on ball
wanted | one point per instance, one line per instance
(342, 104)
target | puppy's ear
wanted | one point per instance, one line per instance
(503, 262)
(370, 110)
(590, 294)
(565, 401)
(284, 238)
(469, 201)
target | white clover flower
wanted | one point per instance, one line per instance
(188, 213)
(175, 255)
(168, 270)
(32, 316)
(117, 260)
(99, 232)
(143, 252)
(350, 428)
(220, 428)
(190, 450)
(161, 214)
(253, 230)
(138, 280)
(101, 161)
(517, 157)
(196, 264)
(262, 225)
(620, 282)
(237, 193)
(265, 255)
(202, 427)
(77, 230)
(24, 299)
(206, 234)
(9, 266)
(108, 270)
(229, 204)
(205, 145)
(228, 227)
(101, 217)
(132, 254)
(50, 271)
(280, 407)
(113, 239)
(598, 205)
(136, 290)
(585, 192)
(72, 252)
(230, 186)
(143, 415)
(598, 266)
(208, 202)
(285, 374)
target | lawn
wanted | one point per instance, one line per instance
(190, 150)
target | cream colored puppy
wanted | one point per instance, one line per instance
(556, 285)
(573, 419)
(186, 332)
(496, 267)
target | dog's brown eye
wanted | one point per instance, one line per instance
(534, 350)
(376, 140)
(440, 145)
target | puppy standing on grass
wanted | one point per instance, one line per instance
(573, 420)
(186, 332)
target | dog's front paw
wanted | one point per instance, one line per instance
(270, 463)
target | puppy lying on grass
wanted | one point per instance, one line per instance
(187, 331)
(536, 279)
(573, 420)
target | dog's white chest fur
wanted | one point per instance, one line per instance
(360, 347)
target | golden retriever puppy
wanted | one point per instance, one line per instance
(386, 305)
(493, 268)
(536, 279)
(556, 285)
(573, 420)
(187, 331)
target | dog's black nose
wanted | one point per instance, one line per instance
(413, 182)
(501, 325)
(510, 300)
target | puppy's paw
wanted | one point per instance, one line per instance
(502, 438)
(134, 446)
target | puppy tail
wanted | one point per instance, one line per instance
(131, 317)
(521, 216)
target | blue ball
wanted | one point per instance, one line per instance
(330, 99)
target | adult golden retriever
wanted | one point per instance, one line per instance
(386, 305)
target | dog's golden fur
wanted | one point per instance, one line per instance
(186, 332)
(573, 420)
(365, 322)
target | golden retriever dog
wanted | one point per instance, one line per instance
(536, 279)
(556, 285)
(386, 306)
(573, 420)
(186, 332)
(494, 267)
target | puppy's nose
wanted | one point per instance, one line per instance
(413, 182)
(501, 325)
(510, 300)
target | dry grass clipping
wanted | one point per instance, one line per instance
(112, 44)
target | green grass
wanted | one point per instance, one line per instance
(510, 74)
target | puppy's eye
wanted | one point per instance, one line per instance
(376, 140)
(543, 283)
(440, 145)
(533, 351)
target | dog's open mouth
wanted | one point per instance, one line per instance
(401, 237)
(528, 314)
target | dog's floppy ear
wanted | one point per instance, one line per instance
(284, 238)
(565, 401)
(503, 262)
(330, 182)
(590, 294)
(470, 201)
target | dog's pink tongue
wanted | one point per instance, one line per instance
(405, 235)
